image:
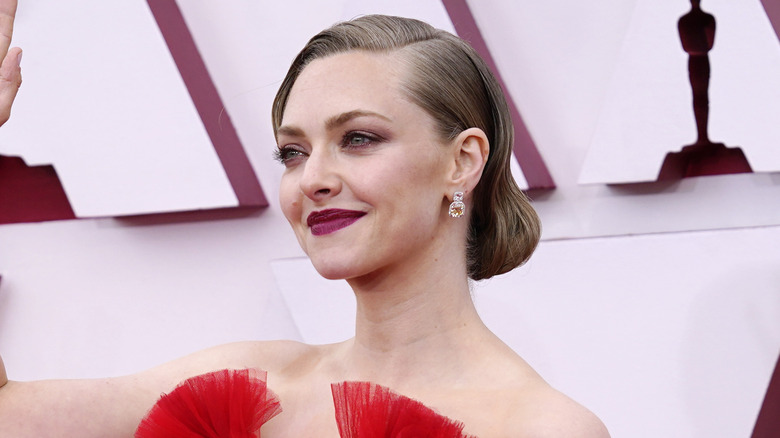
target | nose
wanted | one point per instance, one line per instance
(320, 179)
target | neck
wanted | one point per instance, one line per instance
(413, 321)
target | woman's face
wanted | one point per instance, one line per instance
(366, 173)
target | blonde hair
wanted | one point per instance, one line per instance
(450, 81)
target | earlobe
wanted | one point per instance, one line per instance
(471, 153)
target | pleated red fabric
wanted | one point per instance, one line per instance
(222, 404)
(368, 410)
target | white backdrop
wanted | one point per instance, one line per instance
(118, 124)
(669, 334)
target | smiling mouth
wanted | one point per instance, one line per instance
(331, 220)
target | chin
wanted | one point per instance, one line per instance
(332, 276)
(332, 271)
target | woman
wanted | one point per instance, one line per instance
(396, 142)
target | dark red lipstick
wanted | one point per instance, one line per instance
(331, 220)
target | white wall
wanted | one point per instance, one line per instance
(662, 335)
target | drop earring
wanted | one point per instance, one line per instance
(457, 207)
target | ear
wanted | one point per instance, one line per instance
(471, 149)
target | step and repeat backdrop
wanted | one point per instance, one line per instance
(139, 219)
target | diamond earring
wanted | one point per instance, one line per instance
(457, 207)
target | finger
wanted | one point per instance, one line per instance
(3, 375)
(10, 81)
(7, 14)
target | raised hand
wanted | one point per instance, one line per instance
(10, 72)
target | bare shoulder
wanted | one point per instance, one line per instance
(546, 412)
(270, 356)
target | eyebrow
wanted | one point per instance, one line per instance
(290, 131)
(332, 122)
(346, 117)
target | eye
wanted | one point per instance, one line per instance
(357, 139)
(287, 154)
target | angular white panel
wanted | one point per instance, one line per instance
(104, 103)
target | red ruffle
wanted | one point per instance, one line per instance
(226, 403)
(368, 410)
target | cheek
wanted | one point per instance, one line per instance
(412, 186)
(410, 196)
(289, 200)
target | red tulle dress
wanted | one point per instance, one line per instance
(235, 403)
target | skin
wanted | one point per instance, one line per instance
(10, 72)
(417, 329)
(350, 139)
(10, 81)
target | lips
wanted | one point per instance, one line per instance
(331, 220)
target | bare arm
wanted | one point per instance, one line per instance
(84, 408)
(67, 408)
(114, 407)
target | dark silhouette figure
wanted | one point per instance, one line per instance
(697, 34)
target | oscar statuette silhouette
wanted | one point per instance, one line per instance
(704, 157)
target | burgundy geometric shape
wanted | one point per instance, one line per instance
(528, 157)
(772, 8)
(768, 422)
(208, 103)
(31, 193)
(702, 160)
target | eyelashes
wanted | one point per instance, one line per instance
(351, 141)
(285, 154)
